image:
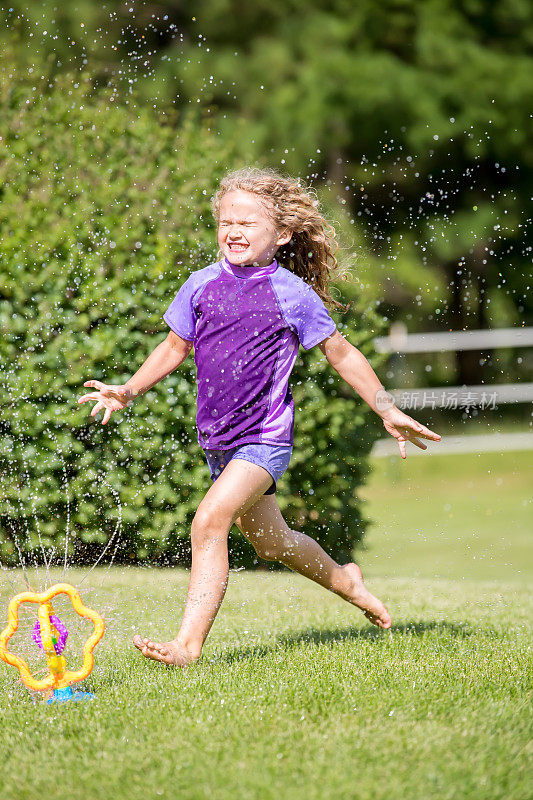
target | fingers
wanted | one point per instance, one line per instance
(421, 430)
(408, 429)
(96, 385)
(410, 425)
(427, 434)
(98, 407)
(87, 397)
(101, 402)
(399, 438)
(418, 443)
(118, 392)
(408, 437)
(401, 445)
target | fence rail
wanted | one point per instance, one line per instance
(459, 397)
(469, 443)
(485, 396)
(399, 341)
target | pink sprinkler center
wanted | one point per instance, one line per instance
(59, 634)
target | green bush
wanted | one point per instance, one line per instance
(105, 210)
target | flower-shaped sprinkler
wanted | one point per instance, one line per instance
(50, 634)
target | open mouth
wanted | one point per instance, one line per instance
(237, 247)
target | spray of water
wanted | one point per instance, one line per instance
(368, 197)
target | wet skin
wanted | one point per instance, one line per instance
(352, 589)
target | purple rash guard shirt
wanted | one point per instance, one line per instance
(246, 324)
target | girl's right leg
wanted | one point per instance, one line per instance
(264, 526)
(236, 490)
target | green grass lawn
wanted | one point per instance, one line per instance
(297, 696)
(453, 516)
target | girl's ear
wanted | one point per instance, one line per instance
(284, 237)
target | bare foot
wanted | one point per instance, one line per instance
(358, 594)
(171, 653)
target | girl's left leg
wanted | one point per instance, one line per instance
(237, 488)
(264, 526)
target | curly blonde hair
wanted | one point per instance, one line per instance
(310, 254)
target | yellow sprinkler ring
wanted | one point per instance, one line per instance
(50, 634)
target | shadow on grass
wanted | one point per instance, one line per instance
(312, 636)
(319, 636)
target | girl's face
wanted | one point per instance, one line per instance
(246, 233)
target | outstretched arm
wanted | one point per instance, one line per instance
(166, 357)
(354, 368)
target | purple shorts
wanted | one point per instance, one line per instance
(272, 457)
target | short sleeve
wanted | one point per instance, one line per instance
(310, 318)
(180, 316)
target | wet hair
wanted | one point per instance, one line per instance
(310, 253)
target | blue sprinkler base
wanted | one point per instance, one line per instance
(64, 695)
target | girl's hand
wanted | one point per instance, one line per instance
(112, 398)
(405, 429)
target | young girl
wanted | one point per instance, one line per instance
(246, 316)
